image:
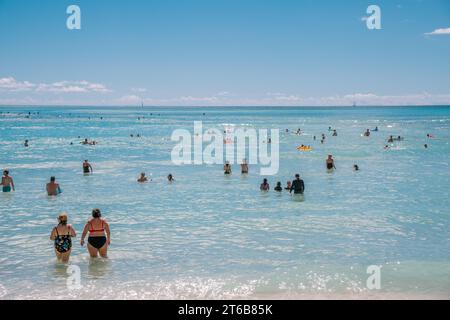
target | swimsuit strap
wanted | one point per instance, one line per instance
(56, 229)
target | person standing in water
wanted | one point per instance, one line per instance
(7, 182)
(170, 178)
(98, 241)
(227, 168)
(87, 168)
(330, 163)
(142, 178)
(264, 186)
(25, 144)
(53, 188)
(244, 166)
(278, 188)
(288, 186)
(367, 133)
(62, 236)
(298, 186)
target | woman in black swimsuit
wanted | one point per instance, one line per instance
(99, 235)
(330, 163)
(62, 236)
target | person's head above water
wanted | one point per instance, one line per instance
(142, 174)
(330, 156)
(62, 218)
(297, 176)
(278, 184)
(52, 179)
(265, 181)
(355, 166)
(96, 213)
(6, 172)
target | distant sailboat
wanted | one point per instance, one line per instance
(354, 104)
(142, 104)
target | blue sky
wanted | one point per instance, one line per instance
(225, 52)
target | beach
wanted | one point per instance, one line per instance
(210, 236)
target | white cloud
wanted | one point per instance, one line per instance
(11, 84)
(130, 99)
(437, 32)
(139, 89)
(72, 87)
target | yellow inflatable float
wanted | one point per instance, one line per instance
(304, 148)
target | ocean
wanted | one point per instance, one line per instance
(210, 236)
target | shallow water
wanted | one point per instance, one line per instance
(210, 236)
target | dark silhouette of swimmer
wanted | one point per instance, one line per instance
(298, 186)
(278, 188)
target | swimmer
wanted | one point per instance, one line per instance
(62, 236)
(367, 133)
(376, 129)
(142, 178)
(98, 241)
(269, 140)
(330, 162)
(170, 178)
(25, 143)
(391, 139)
(227, 168)
(426, 146)
(52, 187)
(264, 186)
(314, 138)
(87, 168)
(85, 141)
(244, 166)
(386, 147)
(297, 185)
(288, 185)
(355, 167)
(278, 188)
(335, 133)
(7, 182)
(329, 129)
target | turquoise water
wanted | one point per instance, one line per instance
(210, 236)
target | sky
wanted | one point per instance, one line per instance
(225, 53)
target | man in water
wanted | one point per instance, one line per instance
(367, 133)
(170, 178)
(244, 166)
(7, 182)
(391, 139)
(278, 188)
(334, 133)
(25, 143)
(142, 178)
(355, 167)
(53, 188)
(330, 162)
(264, 186)
(297, 185)
(87, 168)
(227, 168)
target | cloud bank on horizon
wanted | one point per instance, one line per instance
(225, 53)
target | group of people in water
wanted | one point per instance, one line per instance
(98, 240)
(97, 229)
